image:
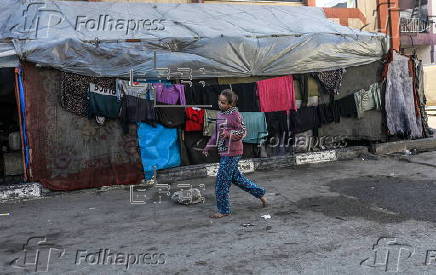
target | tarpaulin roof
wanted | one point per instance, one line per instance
(204, 40)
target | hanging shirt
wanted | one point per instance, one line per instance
(194, 119)
(204, 95)
(137, 104)
(255, 122)
(276, 94)
(368, 99)
(304, 119)
(104, 101)
(331, 81)
(247, 99)
(277, 123)
(139, 89)
(329, 113)
(170, 94)
(347, 106)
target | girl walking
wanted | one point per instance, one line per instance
(227, 137)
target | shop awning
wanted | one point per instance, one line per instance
(204, 40)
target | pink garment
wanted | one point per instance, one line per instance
(276, 94)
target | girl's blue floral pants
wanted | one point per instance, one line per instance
(229, 173)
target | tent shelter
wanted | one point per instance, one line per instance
(224, 40)
(66, 152)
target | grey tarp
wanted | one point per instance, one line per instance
(210, 39)
(8, 57)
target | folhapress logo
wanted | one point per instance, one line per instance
(38, 255)
(39, 19)
(42, 18)
(105, 23)
(108, 257)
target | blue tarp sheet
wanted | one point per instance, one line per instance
(158, 147)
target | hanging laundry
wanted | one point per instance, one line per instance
(329, 113)
(158, 148)
(331, 81)
(170, 94)
(278, 133)
(210, 117)
(184, 156)
(419, 74)
(170, 117)
(255, 122)
(193, 94)
(136, 105)
(138, 89)
(306, 91)
(368, 99)
(203, 95)
(399, 99)
(195, 143)
(276, 94)
(304, 119)
(247, 99)
(103, 101)
(298, 91)
(75, 88)
(277, 123)
(347, 106)
(194, 119)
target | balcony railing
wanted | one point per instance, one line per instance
(414, 25)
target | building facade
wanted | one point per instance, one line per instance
(417, 29)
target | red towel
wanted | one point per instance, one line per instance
(276, 94)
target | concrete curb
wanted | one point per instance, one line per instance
(257, 164)
(21, 191)
(35, 190)
(426, 144)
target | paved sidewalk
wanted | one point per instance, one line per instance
(325, 219)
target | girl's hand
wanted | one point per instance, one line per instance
(224, 134)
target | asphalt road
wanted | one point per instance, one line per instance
(333, 218)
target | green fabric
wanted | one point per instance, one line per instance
(209, 125)
(103, 102)
(255, 122)
(312, 86)
(312, 91)
(368, 99)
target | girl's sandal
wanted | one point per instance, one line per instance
(218, 215)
